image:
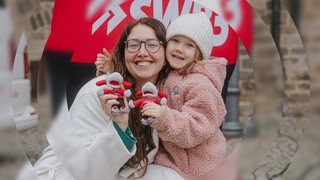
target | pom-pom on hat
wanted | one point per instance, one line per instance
(196, 27)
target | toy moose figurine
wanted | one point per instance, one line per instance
(148, 93)
(119, 88)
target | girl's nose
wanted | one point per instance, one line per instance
(178, 48)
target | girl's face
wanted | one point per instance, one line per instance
(181, 51)
(144, 66)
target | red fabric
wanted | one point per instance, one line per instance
(71, 24)
(143, 101)
(243, 26)
(76, 29)
(127, 85)
(118, 92)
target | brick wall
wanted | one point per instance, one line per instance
(271, 76)
(309, 28)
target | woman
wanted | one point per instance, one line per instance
(121, 147)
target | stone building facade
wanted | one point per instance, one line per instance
(282, 82)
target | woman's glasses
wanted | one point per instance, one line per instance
(151, 45)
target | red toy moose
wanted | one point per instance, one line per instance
(148, 94)
(119, 88)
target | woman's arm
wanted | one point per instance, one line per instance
(96, 129)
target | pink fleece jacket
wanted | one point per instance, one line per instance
(188, 127)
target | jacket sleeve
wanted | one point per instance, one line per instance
(126, 136)
(199, 117)
(97, 132)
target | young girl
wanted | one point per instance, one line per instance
(188, 126)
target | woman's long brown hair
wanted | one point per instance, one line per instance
(141, 132)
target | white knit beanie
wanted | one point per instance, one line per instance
(196, 27)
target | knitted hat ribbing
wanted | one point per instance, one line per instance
(196, 27)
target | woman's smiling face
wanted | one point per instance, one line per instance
(143, 65)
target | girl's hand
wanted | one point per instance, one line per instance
(103, 62)
(151, 109)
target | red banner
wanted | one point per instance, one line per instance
(238, 14)
(85, 28)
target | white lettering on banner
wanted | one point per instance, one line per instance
(135, 9)
(212, 5)
(233, 7)
(93, 7)
(99, 22)
(119, 15)
(171, 12)
(198, 7)
(187, 7)
(219, 39)
(223, 7)
(157, 12)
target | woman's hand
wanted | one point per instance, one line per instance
(107, 101)
(103, 62)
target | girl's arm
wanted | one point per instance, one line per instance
(103, 62)
(196, 120)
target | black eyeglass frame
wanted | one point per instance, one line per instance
(146, 46)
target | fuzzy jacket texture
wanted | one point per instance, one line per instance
(189, 126)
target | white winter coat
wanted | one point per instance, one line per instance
(89, 147)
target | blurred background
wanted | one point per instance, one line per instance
(276, 108)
